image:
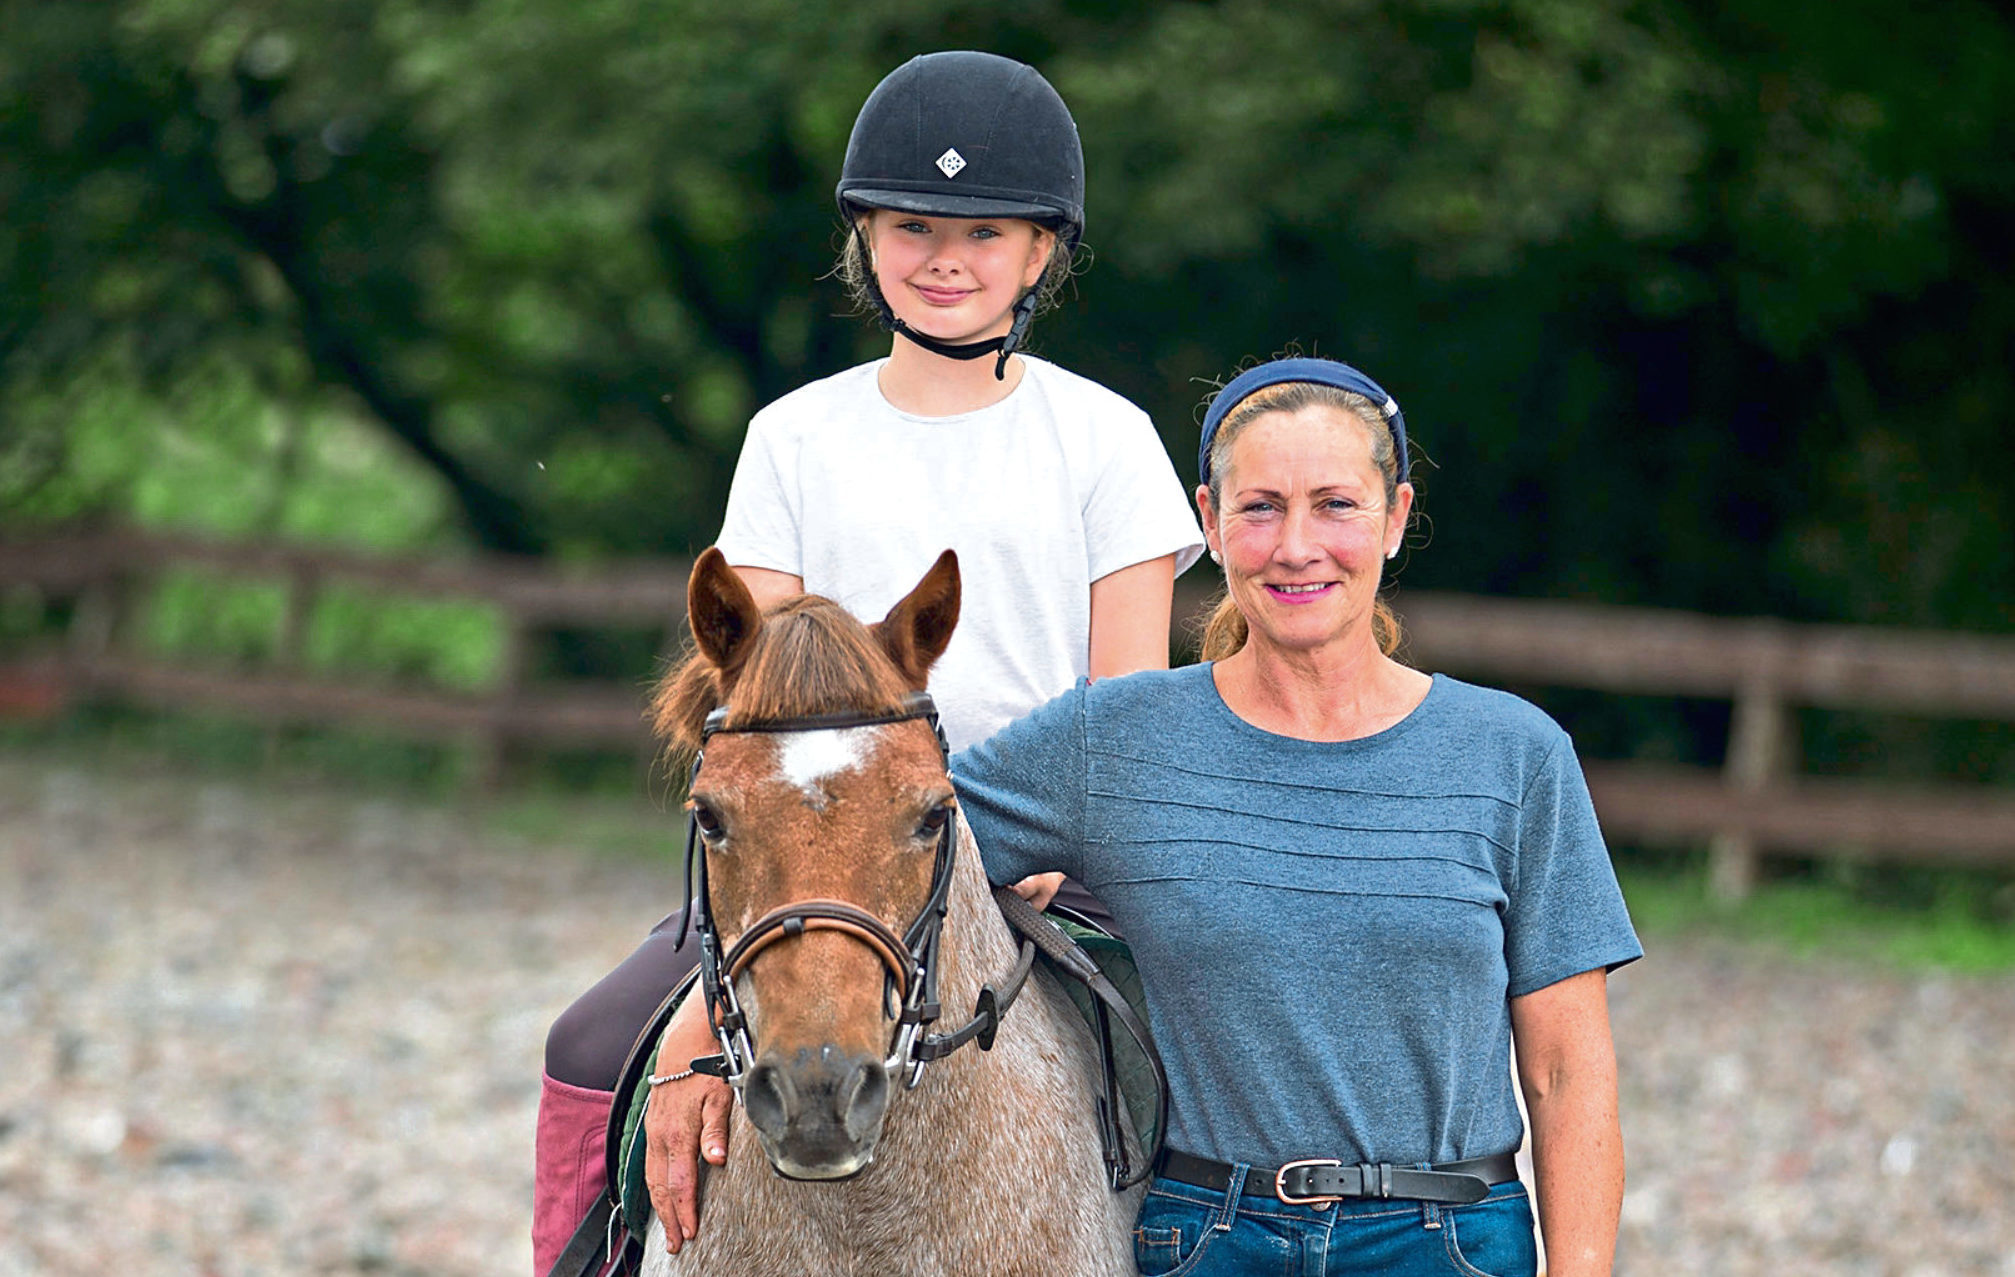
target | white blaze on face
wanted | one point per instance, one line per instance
(807, 759)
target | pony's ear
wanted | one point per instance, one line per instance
(917, 629)
(723, 614)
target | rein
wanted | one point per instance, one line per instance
(909, 960)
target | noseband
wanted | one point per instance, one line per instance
(909, 960)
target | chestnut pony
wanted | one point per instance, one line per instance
(991, 1163)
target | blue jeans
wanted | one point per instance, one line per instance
(1185, 1230)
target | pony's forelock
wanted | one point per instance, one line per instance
(811, 656)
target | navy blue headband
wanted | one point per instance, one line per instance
(1323, 372)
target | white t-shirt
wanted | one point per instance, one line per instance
(1055, 486)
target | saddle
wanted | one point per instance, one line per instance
(1094, 968)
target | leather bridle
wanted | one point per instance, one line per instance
(909, 960)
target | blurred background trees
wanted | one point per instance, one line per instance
(1697, 305)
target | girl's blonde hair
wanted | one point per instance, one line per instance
(1226, 631)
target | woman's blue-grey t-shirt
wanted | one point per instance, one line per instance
(1327, 932)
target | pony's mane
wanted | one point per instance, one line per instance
(811, 656)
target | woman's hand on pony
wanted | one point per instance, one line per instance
(685, 1121)
(1039, 889)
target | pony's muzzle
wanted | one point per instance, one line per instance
(818, 1113)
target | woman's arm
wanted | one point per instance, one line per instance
(1129, 631)
(1567, 1067)
(1129, 618)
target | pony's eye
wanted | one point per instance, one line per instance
(934, 821)
(706, 822)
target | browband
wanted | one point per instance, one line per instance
(915, 705)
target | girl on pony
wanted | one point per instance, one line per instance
(963, 195)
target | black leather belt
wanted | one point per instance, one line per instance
(1319, 1181)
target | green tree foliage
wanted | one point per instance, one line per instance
(1697, 305)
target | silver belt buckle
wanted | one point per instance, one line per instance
(1318, 1199)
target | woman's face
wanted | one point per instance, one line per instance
(955, 278)
(1305, 527)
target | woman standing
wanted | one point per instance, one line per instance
(1350, 888)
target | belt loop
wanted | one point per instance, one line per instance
(1232, 1192)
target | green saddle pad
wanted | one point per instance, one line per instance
(1136, 1073)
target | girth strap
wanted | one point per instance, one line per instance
(1109, 1002)
(589, 1249)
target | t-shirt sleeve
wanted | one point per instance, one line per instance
(1137, 510)
(760, 529)
(1023, 791)
(1566, 913)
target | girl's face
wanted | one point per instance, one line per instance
(1305, 527)
(955, 278)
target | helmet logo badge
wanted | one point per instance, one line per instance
(951, 162)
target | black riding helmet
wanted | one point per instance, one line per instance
(966, 135)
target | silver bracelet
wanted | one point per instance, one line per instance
(659, 1079)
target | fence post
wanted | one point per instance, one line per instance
(98, 627)
(301, 583)
(1758, 749)
(493, 745)
(98, 620)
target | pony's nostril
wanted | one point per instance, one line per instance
(863, 1097)
(767, 1098)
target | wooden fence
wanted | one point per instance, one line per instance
(1756, 801)
(103, 581)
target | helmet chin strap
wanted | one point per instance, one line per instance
(1024, 312)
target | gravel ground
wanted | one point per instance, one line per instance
(257, 1033)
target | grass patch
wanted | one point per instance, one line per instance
(220, 747)
(1917, 919)
(639, 828)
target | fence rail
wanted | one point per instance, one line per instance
(103, 580)
(1766, 668)
(1756, 802)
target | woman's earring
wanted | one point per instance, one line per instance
(1217, 558)
(1393, 553)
